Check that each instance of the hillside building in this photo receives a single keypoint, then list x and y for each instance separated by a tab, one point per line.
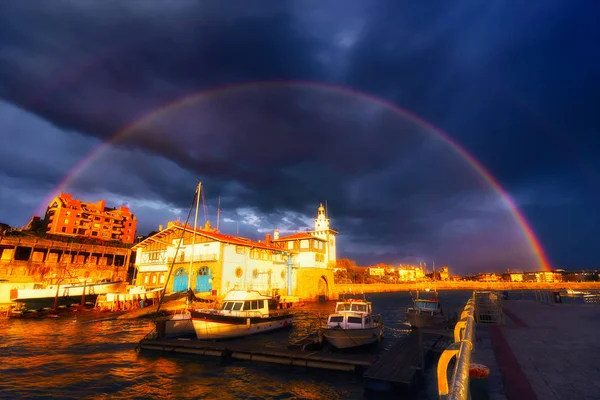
72	217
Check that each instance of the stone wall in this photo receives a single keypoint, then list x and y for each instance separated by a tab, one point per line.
461	285
308	286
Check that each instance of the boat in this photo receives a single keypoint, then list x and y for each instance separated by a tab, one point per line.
179	324
243	313
63	294
571	292
352	325
426	312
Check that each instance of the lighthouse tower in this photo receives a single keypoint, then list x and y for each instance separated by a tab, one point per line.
324	231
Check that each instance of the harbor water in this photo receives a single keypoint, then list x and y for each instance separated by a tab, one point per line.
81	357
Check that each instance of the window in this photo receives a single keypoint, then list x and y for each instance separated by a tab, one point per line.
290	245
238	272
66	221
237	306
239	249
161	280
354	320
64	229
338	318
247	305
94	233
74	230
304	244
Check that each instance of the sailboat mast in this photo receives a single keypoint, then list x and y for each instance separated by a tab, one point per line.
218	213
194	238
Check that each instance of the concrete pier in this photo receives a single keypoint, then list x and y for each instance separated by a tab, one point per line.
548	351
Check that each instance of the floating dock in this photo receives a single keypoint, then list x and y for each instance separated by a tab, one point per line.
395	366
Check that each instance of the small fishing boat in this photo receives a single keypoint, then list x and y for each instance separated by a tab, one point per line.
352	325
243	313
426	312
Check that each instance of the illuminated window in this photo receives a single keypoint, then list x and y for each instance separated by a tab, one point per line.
290	245
304	244
66	221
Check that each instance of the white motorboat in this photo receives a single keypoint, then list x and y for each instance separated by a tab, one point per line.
63	294
352	325
243	313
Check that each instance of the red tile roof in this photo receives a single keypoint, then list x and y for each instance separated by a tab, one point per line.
218	237
299	235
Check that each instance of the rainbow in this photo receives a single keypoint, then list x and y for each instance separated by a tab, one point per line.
205	94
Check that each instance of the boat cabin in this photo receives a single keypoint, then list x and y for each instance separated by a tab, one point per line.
426	306
247	304
351	315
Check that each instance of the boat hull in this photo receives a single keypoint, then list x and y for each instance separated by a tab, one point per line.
215	326
424	320
348	338
180	326
36	299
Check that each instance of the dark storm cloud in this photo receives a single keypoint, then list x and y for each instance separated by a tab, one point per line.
508	82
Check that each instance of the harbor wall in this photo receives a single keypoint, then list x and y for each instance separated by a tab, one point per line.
314	282
460	285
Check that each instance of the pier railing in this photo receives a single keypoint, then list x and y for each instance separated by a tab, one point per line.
464	339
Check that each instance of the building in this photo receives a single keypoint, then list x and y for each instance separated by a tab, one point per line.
213	263
71	217
316	248
516	277
25	257
444	273
410	273
548	277
376	271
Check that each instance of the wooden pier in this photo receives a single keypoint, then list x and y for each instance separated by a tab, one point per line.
394	367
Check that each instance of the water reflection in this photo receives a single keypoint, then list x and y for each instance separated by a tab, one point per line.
77	357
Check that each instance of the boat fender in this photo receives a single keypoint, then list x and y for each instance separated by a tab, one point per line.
478	371
248	323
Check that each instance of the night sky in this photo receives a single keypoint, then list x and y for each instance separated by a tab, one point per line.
277	106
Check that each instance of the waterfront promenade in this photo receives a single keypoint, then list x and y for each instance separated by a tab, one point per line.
548	351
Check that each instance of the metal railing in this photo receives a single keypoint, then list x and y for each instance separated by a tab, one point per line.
483	307
547	296
488	308
464	338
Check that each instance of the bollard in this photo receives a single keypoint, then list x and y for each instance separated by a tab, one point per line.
557	297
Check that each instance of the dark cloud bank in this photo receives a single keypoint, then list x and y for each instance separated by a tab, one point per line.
516	85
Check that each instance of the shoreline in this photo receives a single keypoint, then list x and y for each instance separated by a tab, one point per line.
461	285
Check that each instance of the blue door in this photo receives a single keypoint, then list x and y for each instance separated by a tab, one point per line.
204	280
180	283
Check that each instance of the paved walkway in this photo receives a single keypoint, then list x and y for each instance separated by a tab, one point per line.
549	351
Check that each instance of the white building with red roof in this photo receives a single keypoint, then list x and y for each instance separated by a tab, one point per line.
214	263
316	248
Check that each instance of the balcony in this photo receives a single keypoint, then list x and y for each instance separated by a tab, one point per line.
197	258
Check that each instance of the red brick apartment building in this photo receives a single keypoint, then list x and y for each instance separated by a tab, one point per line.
71	217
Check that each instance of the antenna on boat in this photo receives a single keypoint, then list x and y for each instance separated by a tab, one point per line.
326	213
218	213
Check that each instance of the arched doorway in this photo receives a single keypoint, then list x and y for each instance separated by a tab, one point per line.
204	280
180	282
323	289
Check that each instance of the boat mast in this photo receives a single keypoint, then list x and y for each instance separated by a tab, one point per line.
218	213
187	299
